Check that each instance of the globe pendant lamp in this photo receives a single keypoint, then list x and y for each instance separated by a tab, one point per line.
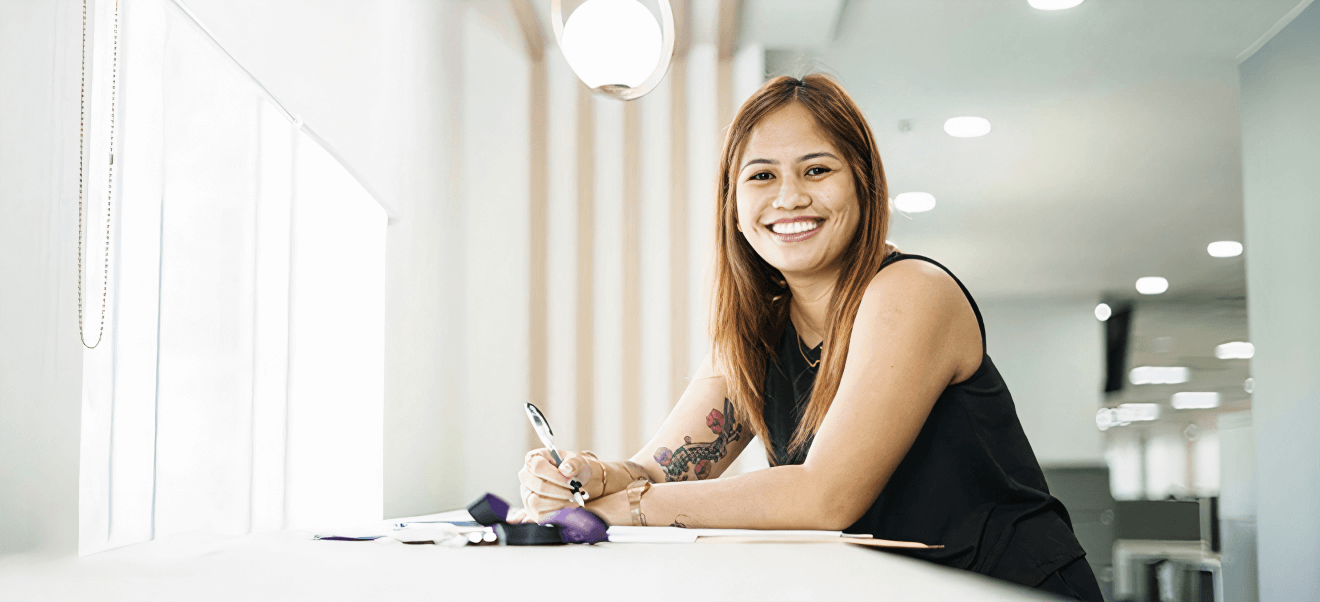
615	46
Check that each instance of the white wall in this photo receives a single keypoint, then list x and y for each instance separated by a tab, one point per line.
40	357
1051	355
1280	87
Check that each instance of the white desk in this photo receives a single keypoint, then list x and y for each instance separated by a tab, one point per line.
289	565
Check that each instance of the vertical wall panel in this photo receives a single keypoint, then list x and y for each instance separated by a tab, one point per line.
419	410
630	227
561	253
538	233
608	277
657	392
495	277
703	154
679	265
585	385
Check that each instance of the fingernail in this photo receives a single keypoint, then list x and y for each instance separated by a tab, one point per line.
565	469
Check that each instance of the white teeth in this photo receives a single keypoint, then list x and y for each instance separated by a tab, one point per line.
794	227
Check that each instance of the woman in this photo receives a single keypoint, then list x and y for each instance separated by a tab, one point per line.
864	374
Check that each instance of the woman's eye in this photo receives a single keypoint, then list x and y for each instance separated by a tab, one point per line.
817	171
760	175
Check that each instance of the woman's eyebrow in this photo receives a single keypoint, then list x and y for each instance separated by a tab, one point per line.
755	161
806	157
810	156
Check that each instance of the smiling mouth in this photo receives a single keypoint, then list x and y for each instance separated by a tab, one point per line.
796	230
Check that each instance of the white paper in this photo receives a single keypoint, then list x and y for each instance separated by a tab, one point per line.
681	535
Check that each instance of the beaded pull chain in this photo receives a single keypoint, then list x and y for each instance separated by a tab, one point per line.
110	185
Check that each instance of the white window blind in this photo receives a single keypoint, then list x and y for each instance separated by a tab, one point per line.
240	384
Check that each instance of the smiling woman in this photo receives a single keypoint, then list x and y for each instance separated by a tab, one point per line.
865	375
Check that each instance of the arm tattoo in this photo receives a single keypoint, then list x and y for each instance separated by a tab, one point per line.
697	459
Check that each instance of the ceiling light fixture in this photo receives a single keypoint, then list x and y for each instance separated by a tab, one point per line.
914	202
615	46
1103	311
1138	412
1224	248
1053	4
1152	285
1160	375
967	127
1194	400
1237	350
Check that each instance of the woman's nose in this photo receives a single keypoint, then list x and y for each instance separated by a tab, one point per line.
792	195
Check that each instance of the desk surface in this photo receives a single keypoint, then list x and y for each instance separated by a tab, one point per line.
289	565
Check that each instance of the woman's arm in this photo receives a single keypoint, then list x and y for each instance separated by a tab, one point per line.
915	334
699	440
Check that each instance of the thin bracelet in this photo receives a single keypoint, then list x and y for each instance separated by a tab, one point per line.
604	474
635	491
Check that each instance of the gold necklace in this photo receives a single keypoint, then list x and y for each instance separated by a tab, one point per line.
804	354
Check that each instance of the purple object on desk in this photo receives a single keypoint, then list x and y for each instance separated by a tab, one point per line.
489	509
577	525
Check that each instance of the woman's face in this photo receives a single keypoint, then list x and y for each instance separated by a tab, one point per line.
797	204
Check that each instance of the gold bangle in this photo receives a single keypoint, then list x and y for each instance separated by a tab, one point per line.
635	491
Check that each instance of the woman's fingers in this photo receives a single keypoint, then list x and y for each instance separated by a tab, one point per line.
537	507
543	452
576	467
542	466
540	486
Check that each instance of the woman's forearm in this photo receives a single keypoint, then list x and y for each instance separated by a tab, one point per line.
775	498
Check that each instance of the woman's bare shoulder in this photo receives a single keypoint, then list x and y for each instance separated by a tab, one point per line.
913	285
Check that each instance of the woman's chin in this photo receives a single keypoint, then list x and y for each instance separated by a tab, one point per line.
791	267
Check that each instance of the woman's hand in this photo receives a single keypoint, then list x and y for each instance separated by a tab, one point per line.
545	487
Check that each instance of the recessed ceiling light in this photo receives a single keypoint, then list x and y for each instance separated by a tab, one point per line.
1138	412
1225	248
967	127
1053	4
1194	400
914	202
1160	375
1102	312
1152	285
1237	350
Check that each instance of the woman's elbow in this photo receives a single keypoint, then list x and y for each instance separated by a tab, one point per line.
837	507
838	514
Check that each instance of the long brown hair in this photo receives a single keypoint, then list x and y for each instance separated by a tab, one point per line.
751	298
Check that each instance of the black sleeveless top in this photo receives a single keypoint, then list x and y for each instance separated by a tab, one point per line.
969	482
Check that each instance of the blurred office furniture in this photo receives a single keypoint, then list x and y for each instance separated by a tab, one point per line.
1167	551
1084	491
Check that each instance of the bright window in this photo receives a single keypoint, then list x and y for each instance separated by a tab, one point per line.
240	384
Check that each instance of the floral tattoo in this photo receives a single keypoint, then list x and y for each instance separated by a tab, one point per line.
697	460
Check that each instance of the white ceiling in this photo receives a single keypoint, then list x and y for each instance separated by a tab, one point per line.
1115	152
